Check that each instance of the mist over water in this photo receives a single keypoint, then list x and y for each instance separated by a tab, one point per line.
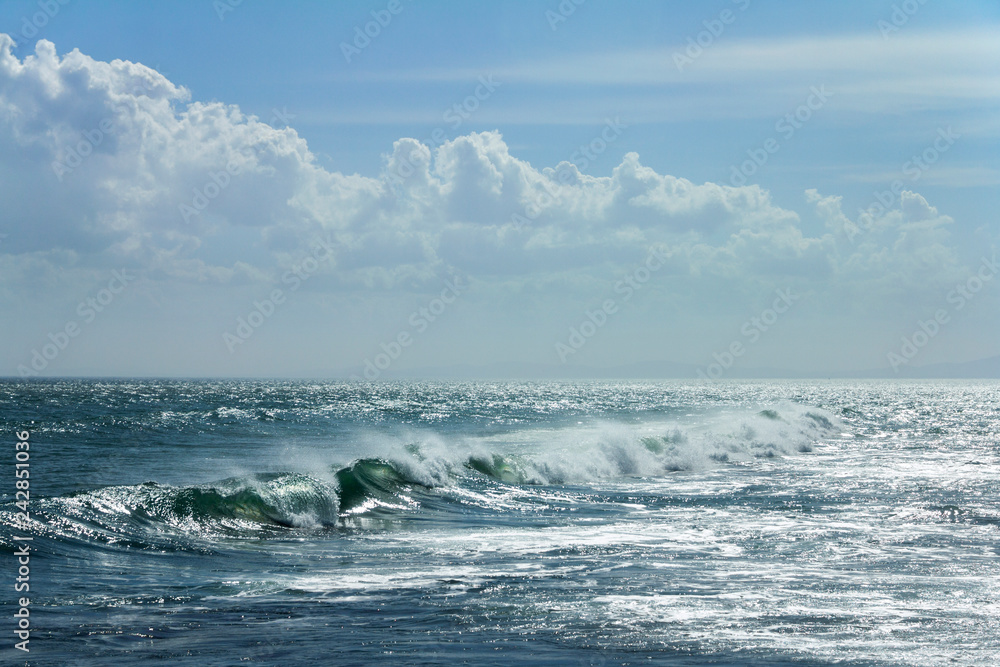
548	523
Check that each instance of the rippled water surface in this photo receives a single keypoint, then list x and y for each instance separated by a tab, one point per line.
744	523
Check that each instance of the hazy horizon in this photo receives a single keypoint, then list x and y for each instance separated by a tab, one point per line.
396	186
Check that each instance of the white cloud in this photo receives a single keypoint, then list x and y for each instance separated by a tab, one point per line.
970	51
264	199
913	71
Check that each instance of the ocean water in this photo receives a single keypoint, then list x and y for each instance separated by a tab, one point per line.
602	523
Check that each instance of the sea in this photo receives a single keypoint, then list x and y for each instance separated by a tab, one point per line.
199	522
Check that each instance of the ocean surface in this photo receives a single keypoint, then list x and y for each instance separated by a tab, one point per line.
579	523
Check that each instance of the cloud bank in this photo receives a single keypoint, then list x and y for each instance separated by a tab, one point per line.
109	164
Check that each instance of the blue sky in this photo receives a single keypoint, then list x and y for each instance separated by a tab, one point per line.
746	161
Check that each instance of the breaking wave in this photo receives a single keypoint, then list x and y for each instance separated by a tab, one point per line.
421	475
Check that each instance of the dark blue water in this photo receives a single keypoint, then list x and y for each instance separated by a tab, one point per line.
760	523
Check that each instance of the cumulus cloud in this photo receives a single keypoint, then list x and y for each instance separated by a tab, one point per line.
110	163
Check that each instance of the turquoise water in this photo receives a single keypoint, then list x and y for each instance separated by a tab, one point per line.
744	523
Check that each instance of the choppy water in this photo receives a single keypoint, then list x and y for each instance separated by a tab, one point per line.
760	523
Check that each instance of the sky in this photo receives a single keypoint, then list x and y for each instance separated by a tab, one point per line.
251	188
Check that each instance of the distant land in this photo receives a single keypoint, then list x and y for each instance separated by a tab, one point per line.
654	370
984	368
